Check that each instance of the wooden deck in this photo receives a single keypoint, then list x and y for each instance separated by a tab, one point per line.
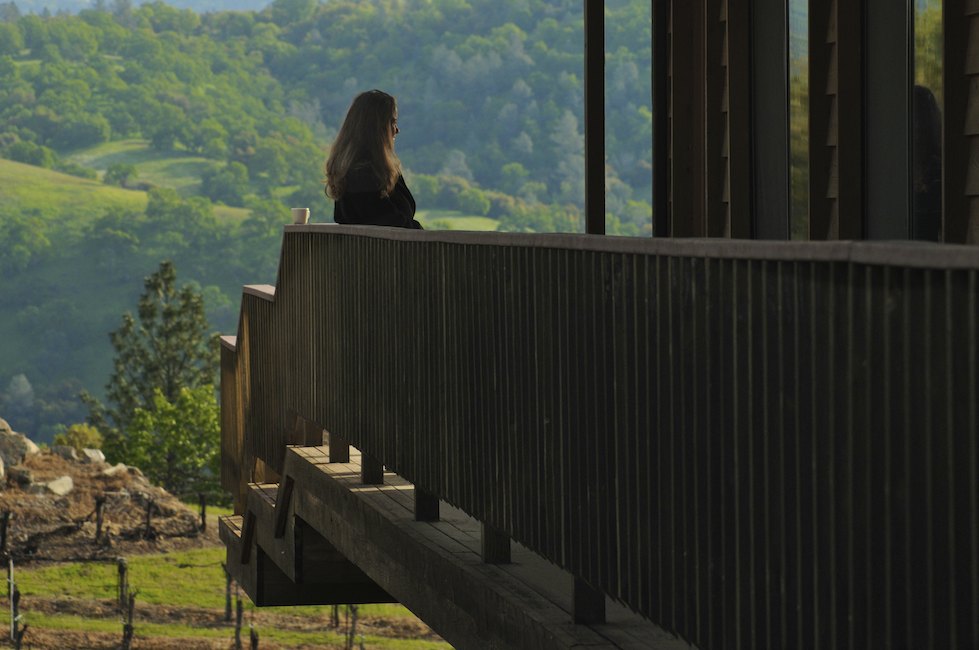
343	541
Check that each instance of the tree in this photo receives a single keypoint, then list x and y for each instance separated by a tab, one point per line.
165	348
177	441
120	174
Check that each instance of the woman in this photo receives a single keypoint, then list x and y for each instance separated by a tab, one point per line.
363	174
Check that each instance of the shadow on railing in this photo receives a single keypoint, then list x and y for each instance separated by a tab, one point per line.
752	444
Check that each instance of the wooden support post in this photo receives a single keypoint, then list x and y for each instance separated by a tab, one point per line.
426	505
123	569
14	614
254	638
588	604
494	545
339	449
4	524
238	616
148	529
203	501
99	515
371	470
227	593
127	628
10	594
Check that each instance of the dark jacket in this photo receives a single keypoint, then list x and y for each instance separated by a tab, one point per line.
362	203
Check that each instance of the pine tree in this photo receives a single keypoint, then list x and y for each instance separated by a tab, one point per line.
163	349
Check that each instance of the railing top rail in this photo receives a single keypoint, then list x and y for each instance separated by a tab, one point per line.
878	253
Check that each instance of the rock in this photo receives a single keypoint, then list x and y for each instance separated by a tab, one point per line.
93	455
60	486
20	476
66	452
3	473
14	447
118	468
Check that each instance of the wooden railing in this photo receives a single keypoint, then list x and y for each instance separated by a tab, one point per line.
752	444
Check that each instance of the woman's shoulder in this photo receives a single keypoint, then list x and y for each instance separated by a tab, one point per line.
361	178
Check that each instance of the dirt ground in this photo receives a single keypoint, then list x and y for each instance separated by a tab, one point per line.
48	527
44	527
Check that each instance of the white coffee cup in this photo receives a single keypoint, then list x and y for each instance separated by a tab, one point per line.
300	216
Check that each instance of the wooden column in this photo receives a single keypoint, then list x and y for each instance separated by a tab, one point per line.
739	159
687	116
661	117
889	61
769	125
960	165
836	119
595	117
718	131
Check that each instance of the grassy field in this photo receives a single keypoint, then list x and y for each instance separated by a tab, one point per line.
54	195
166	169
193	582
75	201
454	220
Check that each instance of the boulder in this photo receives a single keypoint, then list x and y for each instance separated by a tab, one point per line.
66	452
93	455
20	476
14	447
118	468
60	486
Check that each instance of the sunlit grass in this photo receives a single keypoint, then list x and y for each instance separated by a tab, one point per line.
454	220
145	630
54	195
178	170
192	579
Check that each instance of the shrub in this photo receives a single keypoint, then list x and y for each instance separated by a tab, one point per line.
80	436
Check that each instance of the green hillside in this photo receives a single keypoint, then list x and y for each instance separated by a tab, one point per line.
51	195
166	169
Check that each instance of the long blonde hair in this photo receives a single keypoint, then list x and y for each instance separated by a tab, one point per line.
365	139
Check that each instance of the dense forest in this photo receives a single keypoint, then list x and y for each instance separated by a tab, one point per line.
134	134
